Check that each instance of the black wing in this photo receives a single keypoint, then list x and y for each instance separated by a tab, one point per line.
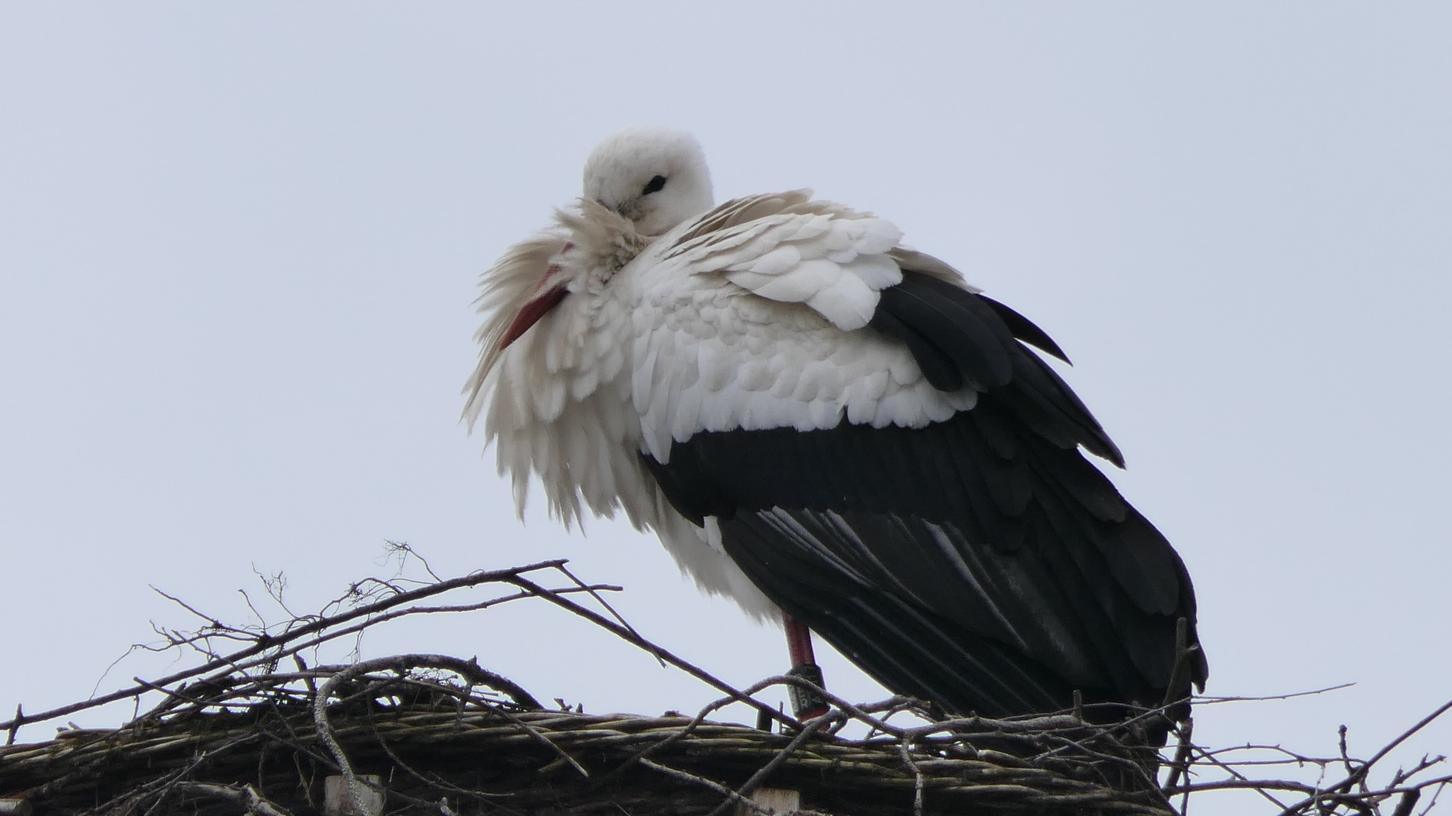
981	562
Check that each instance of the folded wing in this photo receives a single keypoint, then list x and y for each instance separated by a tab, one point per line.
884	455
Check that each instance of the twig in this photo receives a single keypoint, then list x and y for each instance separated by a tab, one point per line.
14	725
244	795
1360	773
685	776
433	779
473	579
904	749
1407	802
620	619
1205	699
1048	759
467	668
765	772
636	640
1180	765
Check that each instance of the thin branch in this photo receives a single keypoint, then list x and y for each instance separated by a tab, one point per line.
636	640
694	779
473	579
312	715
244	795
620	619
765	772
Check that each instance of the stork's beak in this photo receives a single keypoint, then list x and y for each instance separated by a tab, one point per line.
631	209
531	312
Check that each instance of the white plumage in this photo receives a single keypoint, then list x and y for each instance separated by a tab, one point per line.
666	343
810	415
753	325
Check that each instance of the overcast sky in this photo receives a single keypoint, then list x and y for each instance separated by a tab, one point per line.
239	244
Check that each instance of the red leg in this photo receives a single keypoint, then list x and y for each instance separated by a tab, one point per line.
806	703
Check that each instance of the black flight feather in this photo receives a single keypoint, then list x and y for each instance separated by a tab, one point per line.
982	562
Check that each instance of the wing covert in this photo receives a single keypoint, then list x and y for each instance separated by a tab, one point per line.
984	535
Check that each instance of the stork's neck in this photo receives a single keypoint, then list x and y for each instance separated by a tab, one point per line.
560	406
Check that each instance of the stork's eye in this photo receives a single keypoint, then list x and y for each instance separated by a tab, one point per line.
655	185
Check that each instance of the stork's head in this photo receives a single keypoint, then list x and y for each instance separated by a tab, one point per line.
556	331
656	177
638	184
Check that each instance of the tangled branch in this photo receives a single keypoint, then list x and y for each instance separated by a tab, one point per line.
253	727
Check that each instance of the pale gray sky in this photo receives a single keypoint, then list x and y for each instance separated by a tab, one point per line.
239	244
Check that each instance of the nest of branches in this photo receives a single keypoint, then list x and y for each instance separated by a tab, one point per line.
254	728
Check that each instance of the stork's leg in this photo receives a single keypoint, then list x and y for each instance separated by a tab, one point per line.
806	703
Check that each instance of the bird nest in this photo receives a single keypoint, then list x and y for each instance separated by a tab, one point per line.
436	756
256	728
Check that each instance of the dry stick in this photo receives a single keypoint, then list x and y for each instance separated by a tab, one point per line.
904	749
211	620
1290	757
903	736
435	779
1234	773
1302	787
1042	729
266	642
295	648
645	645
541	738
887	708
1408	801
1405	735
1360	773
244	795
1402	775
325	731
173	698
1353	800
406	551
302	666
550	594
601	600
325	735
1436	794
1345	755
400	663
156	786
688	728
465	668
14	725
855	712
703	781
1204	699
301	749
1244	784
1184	800
1150	787
247	599
770	767
1181	762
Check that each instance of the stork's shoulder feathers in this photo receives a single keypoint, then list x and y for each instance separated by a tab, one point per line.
754	316
790	248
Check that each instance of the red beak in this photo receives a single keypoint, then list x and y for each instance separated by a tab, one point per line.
531	313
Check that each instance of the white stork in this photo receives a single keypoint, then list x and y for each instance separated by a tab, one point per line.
829	427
